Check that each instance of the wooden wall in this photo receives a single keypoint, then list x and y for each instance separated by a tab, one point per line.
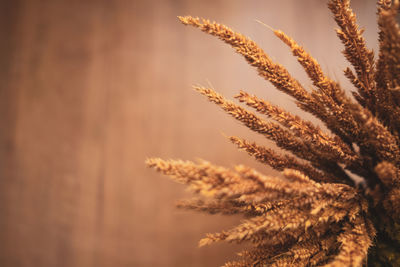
90	89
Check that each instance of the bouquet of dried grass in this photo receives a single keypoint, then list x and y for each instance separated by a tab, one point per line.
317	215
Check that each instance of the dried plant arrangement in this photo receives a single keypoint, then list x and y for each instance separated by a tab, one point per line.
316	214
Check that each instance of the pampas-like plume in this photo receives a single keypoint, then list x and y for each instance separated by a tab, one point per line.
316	214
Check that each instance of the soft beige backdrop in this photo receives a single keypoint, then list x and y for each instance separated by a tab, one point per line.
90	89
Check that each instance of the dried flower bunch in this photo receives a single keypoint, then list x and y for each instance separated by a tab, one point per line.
316	214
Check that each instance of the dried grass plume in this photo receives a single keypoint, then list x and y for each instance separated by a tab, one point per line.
316	214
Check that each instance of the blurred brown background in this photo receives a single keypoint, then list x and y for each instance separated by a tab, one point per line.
90	89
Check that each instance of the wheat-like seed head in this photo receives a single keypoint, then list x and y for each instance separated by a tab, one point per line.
316	214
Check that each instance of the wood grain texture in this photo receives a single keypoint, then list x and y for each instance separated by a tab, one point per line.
90	89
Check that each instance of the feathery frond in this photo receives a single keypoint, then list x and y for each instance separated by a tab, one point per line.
316	214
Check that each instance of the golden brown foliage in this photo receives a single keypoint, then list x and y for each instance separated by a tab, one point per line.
316	214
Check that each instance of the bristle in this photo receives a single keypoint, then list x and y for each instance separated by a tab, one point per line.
301	128
356	51
354	246
281	162
256	57
283	138
387	75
